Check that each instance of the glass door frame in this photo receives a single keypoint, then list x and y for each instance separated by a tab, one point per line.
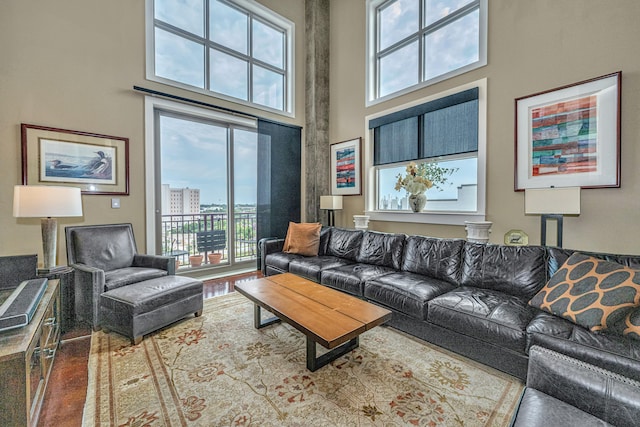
153	186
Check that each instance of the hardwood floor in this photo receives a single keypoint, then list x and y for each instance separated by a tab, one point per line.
67	389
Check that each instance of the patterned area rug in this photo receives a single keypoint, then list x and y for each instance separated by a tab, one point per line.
217	370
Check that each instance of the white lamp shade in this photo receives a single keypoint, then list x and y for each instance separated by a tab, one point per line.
39	201
331	202
563	201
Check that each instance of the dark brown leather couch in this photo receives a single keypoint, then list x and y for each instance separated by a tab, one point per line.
467	297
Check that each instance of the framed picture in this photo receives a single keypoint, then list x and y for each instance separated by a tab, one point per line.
569	136
97	164
346	176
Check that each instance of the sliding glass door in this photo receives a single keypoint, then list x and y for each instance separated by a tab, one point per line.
206	172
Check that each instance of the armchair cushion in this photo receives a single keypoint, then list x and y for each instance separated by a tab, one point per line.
104	247
126	276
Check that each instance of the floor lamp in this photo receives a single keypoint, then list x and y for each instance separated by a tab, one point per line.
552	204
48	203
332	204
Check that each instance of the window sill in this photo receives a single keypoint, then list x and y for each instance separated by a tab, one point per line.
448	218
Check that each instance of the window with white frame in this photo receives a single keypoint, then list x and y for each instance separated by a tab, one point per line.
233	49
448	130
415	43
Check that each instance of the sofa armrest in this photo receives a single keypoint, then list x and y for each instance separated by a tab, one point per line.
266	246
89	284
608	396
166	263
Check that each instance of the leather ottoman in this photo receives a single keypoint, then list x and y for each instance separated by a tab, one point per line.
141	308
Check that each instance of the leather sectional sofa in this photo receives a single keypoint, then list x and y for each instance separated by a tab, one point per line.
563	391
467	297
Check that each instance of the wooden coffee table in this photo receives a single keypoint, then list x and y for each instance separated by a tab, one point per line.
328	317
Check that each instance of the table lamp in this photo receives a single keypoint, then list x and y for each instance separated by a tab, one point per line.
47	202
552	203
332	204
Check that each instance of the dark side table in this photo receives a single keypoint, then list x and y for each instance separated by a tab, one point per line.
67	295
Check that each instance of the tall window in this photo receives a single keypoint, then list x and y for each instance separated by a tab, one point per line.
414	43
448	129
233	49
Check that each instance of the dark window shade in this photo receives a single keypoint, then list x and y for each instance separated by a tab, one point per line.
395	141
451	130
445	126
279	182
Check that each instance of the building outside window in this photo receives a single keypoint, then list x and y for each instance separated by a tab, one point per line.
415	43
236	50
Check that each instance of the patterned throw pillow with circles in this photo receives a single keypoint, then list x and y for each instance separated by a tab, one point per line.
590	292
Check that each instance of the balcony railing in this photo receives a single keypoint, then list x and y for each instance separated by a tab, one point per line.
179	235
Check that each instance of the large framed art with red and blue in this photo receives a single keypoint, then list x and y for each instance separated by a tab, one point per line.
569	136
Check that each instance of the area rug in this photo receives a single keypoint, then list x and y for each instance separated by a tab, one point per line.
218	370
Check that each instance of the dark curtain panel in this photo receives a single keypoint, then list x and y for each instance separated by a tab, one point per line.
396	141
450	130
279	177
441	127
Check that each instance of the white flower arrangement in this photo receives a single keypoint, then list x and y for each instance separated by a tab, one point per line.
420	178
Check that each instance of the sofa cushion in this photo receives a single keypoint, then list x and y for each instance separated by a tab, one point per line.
344	243
515	270
591	292
405	292
115	279
310	267
484	314
382	249
281	260
302	239
558	256
325	234
538	409
548	324
433	257
351	278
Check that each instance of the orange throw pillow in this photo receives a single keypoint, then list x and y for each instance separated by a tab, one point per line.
303	239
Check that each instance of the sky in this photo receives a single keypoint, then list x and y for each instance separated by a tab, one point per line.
447	49
194	155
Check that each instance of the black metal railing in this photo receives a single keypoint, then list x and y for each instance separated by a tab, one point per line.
179	236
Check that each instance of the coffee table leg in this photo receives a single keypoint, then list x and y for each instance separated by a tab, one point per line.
257	318
314	363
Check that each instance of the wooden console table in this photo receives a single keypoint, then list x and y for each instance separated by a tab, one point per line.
26	357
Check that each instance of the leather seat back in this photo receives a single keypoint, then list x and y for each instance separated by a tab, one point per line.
344	243
107	247
433	257
381	249
516	270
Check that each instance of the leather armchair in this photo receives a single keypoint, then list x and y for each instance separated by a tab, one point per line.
104	258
